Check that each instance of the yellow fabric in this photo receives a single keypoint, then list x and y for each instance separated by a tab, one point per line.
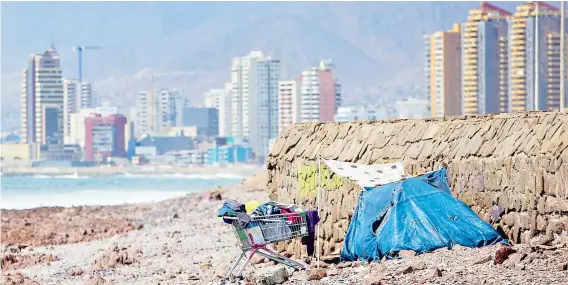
251	205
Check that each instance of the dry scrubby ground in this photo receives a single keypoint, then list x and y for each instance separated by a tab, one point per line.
181	241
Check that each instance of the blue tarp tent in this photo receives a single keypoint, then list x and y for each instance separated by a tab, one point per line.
418	214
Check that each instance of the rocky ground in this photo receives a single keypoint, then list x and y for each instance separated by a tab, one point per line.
181	241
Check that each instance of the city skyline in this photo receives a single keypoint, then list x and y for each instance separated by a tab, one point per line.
369	68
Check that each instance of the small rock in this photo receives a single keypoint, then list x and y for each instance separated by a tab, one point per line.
95	280
317	274
502	254
375	280
483	260
344	264
433	273
323	265
206	265
221	270
271	275
516	258
458	247
76	272
175	216
356	264
563	267
378	268
520	266
405	270
333	272
406	253
419	266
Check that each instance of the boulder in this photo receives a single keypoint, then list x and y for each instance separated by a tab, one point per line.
271	275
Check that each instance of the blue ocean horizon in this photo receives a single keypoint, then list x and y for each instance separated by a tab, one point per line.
26	192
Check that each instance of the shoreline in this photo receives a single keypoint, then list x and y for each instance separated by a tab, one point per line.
249	170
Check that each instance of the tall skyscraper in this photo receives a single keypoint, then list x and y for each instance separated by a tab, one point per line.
70	106
534	63
288	103
484	61
158	109
42	100
254	80
445	72
320	93
76	96
225	105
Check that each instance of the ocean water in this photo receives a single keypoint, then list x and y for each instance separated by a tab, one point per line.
24	192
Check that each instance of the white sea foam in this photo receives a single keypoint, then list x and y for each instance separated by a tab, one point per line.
190	176
67	176
85	198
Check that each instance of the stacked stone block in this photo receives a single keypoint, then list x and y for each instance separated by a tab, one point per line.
511	169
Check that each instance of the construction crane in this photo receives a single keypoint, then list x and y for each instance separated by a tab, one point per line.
79	50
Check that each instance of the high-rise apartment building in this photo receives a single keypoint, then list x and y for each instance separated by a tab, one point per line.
254	81
76	96
158	109
288	103
220	99
85	97
42	100
534	65
484	61
70	87
445	72
320	93
225	106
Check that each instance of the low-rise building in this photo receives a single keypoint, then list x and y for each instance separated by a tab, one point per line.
104	137
413	108
205	119
362	113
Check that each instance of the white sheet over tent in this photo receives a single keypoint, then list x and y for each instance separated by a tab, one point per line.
368	175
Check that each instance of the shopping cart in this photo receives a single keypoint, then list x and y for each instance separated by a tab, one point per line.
260	231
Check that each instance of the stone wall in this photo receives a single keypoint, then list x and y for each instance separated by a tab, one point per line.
515	163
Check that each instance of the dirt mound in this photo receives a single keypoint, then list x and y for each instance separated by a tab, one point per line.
53	226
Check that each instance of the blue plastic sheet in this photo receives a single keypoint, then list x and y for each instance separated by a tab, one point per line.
418	214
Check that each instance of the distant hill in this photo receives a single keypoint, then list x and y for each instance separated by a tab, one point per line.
377	47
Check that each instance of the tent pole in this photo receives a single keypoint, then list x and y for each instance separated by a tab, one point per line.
319	209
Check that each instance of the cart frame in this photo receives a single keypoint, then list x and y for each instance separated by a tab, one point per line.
260	231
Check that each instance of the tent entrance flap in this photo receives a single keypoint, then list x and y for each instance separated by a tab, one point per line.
418	214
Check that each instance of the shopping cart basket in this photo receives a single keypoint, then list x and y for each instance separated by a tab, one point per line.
260	231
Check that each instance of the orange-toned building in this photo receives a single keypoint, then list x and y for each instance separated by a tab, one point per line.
484	61
443	71
527	59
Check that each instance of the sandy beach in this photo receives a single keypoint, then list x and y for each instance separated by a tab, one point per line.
181	241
